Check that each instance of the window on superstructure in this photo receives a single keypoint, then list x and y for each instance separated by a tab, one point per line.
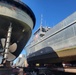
43	30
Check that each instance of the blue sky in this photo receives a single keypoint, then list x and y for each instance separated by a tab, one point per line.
53	11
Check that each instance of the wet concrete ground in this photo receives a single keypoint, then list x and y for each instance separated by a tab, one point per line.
61	73
52	73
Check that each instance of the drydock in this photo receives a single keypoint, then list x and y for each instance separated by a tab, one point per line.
52	51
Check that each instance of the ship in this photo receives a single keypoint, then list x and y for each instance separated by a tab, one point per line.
51	45
17	21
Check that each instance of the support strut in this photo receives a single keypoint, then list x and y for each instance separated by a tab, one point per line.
7	43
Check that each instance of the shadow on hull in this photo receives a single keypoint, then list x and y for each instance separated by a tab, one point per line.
45	55
18	37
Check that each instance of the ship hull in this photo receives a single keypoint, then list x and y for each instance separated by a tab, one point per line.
22	21
57	45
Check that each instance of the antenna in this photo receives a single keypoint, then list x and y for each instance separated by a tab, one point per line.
41	22
41	19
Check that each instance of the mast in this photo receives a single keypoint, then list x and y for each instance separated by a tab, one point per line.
41	22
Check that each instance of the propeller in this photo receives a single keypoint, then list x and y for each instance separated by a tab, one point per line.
12	48
11	57
3	42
